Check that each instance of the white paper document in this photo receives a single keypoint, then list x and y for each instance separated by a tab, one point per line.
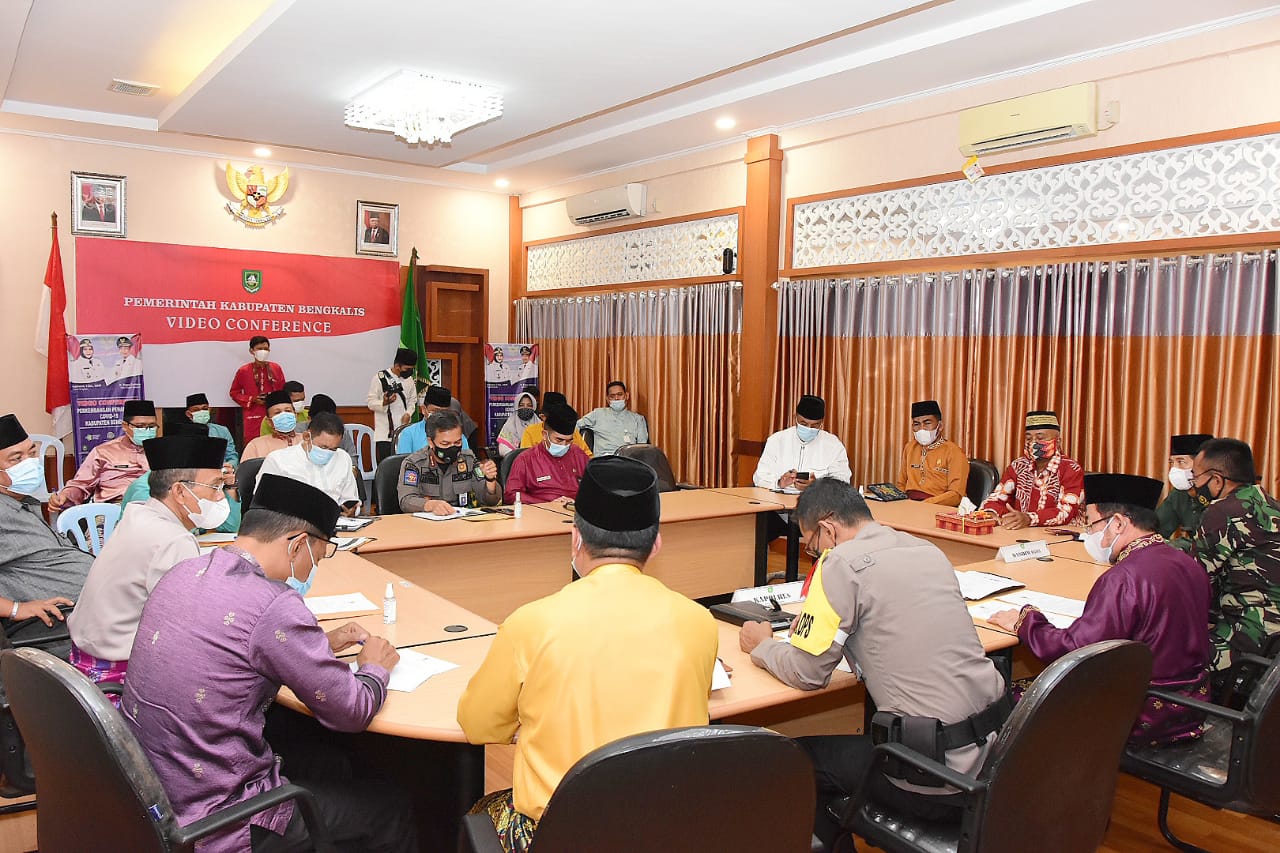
462	512
352	602
215	538
1073	607
978	585
413	669
720	678
985	609
783	593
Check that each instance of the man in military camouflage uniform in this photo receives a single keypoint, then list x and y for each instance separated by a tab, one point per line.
442	476
1238	544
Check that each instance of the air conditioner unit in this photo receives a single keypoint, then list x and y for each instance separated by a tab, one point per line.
624	202
1067	113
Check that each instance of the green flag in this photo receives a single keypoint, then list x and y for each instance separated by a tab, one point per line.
411	324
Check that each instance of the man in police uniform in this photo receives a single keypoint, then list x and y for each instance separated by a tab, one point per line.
443	476
889	604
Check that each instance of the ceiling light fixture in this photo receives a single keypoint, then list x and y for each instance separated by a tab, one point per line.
260	151
420	108
502	183
726	123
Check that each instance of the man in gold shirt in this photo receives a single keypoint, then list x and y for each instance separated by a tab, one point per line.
579	669
934	469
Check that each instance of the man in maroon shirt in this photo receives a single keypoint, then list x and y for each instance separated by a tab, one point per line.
551	469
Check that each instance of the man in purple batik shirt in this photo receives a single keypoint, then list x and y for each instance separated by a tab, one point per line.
219	635
1153	593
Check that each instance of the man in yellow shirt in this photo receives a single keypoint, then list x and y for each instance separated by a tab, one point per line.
934	469
614	654
534	433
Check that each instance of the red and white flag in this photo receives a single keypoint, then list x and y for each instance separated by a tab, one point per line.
51	335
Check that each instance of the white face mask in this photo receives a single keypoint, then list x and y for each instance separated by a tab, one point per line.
1093	544
27	477
212	514
1180	479
261	354
299	405
926	438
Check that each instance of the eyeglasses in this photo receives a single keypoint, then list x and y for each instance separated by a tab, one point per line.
330	548
217	487
810	547
1089	525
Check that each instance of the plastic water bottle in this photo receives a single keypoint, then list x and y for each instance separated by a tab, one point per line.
517	510
389	606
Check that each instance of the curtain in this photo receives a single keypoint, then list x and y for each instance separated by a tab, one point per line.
677	351
1127	352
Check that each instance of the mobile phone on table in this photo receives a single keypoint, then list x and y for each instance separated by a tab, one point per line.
802	475
1065	531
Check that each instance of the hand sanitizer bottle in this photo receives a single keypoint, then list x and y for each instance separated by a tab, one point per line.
389	605
517	511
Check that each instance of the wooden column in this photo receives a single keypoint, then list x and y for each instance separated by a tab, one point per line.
515	261
761	232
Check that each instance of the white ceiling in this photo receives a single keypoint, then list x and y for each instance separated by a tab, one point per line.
588	87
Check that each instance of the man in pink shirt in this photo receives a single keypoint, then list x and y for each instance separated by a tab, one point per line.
551	469
112	466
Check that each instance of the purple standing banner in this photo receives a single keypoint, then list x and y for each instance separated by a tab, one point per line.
508	370
105	373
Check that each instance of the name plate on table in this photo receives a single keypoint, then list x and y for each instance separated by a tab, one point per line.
1023	551
783	593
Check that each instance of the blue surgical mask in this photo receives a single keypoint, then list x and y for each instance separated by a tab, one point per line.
320	455
558	450
285	422
200	416
617	405
806	433
27	477
302	587
141	434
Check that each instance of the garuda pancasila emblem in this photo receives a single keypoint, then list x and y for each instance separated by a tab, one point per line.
256	194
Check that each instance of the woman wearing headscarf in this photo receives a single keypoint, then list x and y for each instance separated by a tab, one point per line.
525	413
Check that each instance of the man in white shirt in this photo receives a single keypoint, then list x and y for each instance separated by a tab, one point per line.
186	483
318	461
795	457
615	425
393	393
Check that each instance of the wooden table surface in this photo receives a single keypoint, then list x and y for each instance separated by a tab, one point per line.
920	519
421	615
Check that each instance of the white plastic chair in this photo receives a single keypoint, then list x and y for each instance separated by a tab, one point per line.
365	461
98	522
59	455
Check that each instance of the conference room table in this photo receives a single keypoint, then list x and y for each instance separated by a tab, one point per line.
713	543
415	738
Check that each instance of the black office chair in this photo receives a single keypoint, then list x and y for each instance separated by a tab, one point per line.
1049	779
652	455
1232	766
95	780
504	466
588	436
983	477
385	480
678	791
16	776
247	481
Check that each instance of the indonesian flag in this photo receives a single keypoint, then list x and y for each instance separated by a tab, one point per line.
51	336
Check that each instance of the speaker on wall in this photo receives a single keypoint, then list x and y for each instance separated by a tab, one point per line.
728	261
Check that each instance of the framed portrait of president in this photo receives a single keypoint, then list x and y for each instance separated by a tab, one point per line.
97	204
376	227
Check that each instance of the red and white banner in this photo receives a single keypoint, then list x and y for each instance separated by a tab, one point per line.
332	322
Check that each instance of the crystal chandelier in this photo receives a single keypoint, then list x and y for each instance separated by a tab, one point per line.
420	108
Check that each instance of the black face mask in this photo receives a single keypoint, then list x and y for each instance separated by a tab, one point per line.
446	455
525	414
406	373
